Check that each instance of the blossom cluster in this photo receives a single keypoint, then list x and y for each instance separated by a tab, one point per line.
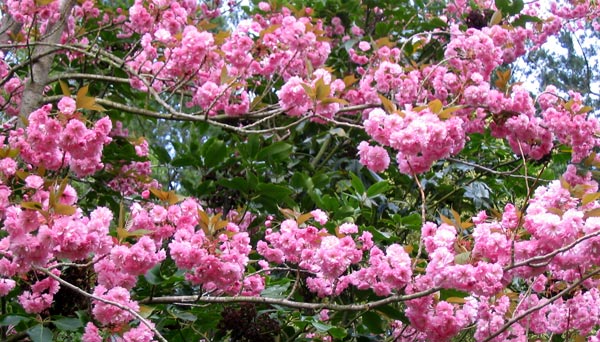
420	138
546	246
217	68
328	258
52	143
217	263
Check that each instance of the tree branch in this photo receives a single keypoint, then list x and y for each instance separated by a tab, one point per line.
288	303
536	308
98	77
33	91
544	258
105	301
492	171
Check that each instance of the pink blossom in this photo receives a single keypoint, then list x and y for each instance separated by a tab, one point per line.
293	97
264	6
6	285
375	158
109	314
348	228
41	295
319	216
91	333
139	258
364	46
141	333
67	105
34	182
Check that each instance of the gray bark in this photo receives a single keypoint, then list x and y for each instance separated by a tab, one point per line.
41	62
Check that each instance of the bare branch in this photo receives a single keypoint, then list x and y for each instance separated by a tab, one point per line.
105	301
289	303
545	258
99	77
492	171
539	307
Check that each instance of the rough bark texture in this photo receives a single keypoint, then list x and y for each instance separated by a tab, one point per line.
41	62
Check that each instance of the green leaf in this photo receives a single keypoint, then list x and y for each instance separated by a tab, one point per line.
273	191
39	333
510	7
277	151
120	149
524	19
249	148
373	322
185	160
338	333
161	154
391	312
153	276
275	291
451	293
357	184
68	324
237	183
378	188
412	221
379	236
321	327
302	181
13	320
184	315
214	152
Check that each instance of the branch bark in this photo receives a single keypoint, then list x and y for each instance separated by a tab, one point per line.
106	301
288	303
539	307
33	91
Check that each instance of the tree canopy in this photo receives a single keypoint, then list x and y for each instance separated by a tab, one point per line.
297	171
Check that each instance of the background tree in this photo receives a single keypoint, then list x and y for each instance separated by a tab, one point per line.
292	170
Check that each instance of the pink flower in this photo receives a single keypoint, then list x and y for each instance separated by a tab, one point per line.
324	315
364	46
34	182
109	314
8	166
91	333
319	216
139	258
67	105
264	6
375	158
293	97
6	285
141	333
348	228
40	297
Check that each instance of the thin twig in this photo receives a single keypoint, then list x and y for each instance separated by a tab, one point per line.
544	258
539	307
105	301
492	171
423	218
